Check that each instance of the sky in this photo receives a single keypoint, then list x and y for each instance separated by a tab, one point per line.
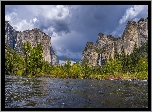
71	26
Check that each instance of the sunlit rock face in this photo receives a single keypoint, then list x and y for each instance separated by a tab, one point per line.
15	39
89	54
105	45
143	30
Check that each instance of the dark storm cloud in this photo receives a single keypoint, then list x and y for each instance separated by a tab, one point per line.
70	27
91	20
61	26
58	25
96	19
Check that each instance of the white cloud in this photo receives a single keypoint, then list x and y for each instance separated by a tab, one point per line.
38	15
34	20
133	12
70	27
113	33
17	23
24	25
7	18
53	12
136	19
62	62
119	30
11	17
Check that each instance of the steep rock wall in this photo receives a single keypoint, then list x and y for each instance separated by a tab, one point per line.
105	45
89	54
10	35
15	39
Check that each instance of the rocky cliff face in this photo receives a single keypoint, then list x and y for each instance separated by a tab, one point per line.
15	39
89	54
104	48
10	35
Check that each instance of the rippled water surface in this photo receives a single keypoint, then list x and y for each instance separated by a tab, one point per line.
21	92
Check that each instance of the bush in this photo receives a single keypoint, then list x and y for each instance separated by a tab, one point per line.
141	75
75	70
14	63
19	72
142	65
112	66
86	70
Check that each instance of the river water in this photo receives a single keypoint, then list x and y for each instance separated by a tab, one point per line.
21	92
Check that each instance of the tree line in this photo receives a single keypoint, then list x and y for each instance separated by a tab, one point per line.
32	64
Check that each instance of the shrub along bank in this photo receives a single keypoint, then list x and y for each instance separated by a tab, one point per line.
31	64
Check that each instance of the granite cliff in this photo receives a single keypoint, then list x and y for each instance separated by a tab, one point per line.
15	39
104	48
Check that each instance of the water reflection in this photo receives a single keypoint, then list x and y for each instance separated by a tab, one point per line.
23	92
20	90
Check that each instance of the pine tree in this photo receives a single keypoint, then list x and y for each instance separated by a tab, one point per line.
128	64
26	49
14	63
135	56
67	66
123	52
116	54
123	59
84	61
36	59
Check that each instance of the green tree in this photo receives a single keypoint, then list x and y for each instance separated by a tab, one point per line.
113	66
128	64
35	61
122	53
84	61
123	59
97	70
143	50
75	70
135	56
142	65
58	72
67	66
26	49
86	70
46	68
14	63
116	54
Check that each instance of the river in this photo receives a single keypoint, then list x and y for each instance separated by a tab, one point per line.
22	92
